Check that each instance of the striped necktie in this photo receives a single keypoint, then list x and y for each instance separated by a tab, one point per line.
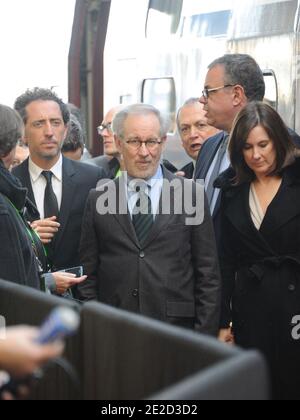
142	216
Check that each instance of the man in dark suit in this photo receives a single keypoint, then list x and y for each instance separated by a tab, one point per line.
110	162
140	251
58	186
231	83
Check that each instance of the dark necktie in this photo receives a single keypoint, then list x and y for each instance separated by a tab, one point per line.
217	168
142	216
50	199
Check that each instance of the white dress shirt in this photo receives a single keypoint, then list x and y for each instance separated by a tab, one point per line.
39	183
155	185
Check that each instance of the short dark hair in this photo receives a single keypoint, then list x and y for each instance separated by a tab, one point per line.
11	130
75	138
243	70
253	115
40	94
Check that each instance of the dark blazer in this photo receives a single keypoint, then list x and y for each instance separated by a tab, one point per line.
109	166
261	276
17	259
205	159
173	278
78	180
187	169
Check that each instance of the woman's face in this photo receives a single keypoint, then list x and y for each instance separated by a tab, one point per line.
259	152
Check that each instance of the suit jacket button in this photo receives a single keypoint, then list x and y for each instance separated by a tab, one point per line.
292	287
142	254
135	293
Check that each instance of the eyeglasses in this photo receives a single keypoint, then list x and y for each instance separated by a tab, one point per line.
136	144
206	91
104	127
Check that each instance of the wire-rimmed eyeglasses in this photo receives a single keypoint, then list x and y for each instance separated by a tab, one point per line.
150	144
206	91
104	127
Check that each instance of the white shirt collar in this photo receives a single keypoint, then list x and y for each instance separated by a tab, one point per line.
35	171
151	182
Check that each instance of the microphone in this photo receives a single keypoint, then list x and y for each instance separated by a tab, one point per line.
61	323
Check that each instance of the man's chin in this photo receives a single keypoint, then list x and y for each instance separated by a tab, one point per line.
50	155
142	174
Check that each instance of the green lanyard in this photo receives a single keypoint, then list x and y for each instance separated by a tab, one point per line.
31	233
119	173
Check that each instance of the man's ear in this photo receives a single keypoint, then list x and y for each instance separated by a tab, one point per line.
67	128
119	144
164	141
239	96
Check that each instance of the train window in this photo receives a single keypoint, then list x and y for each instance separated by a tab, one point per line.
207	24
271	95
161	93
126	99
267	18
163	17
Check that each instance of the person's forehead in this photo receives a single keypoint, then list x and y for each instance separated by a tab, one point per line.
192	112
216	74
257	134
43	109
110	115
142	123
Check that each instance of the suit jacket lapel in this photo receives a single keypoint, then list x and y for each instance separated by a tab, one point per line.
121	212
125	220
162	220
238	213
26	180
68	191
284	207
207	160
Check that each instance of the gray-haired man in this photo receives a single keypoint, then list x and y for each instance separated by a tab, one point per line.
140	255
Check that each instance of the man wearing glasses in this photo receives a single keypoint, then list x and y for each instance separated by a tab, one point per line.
137	249
110	162
231	83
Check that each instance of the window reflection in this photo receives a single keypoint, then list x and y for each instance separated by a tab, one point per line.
161	93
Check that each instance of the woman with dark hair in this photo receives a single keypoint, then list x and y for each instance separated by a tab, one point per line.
260	255
23	258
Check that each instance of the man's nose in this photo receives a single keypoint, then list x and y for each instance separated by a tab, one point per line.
194	133
203	100
143	150
48	129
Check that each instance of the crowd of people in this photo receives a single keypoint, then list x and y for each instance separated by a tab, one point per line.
220	256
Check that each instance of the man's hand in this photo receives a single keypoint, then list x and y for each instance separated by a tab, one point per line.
20	355
46	229
64	281
226	336
180	173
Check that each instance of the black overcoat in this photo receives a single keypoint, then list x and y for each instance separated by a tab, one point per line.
261	276
18	262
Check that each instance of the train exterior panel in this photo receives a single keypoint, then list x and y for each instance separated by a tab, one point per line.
158	51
